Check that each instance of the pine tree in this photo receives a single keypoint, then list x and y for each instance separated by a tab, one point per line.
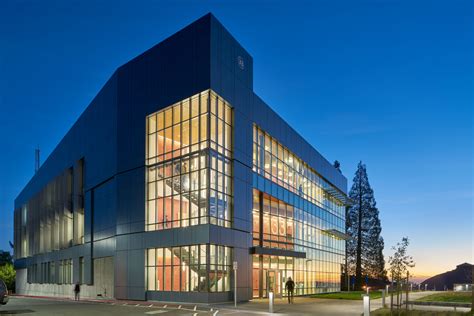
375	262
364	249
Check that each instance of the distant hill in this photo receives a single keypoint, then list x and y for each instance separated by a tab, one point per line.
462	274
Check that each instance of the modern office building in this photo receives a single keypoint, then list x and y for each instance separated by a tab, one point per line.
174	171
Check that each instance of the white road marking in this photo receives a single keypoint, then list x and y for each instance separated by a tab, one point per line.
215	313
165	306
179	307
195	307
151	305
195	314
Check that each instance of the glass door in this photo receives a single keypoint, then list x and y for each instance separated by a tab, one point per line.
273	282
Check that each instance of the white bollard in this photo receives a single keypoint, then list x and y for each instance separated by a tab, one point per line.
383	298
366	305
270	302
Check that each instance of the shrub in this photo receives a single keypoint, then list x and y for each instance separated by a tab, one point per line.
7	274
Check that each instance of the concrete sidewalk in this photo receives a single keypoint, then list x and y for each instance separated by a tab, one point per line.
313	306
301	306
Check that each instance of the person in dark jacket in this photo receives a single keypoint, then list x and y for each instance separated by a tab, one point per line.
77	291
290	287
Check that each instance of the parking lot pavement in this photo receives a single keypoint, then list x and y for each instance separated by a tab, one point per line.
19	305
55	306
301	306
42	306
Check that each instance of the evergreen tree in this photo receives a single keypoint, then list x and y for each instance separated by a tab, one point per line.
364	249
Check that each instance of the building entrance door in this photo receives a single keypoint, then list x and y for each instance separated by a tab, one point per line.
273	278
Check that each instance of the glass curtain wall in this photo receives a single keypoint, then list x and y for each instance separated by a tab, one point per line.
276	163
310	275
277	225
195	268
280	225
189	146
295	224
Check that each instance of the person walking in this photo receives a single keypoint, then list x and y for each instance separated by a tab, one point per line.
290	287
77	291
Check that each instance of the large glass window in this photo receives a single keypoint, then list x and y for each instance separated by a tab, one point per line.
65	271
195	268
280	225
277	220
278	164
277	224
81	270
189	146
318	274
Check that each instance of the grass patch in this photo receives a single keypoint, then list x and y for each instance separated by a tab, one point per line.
386	311
353	295
455	297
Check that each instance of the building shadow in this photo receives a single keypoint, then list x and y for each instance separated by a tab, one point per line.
16	311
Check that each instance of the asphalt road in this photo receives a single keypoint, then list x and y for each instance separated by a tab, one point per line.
38	306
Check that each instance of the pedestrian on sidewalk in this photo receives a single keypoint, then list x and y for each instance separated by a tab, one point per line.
77	291
290	287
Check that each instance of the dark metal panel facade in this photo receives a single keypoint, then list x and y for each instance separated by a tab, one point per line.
110	136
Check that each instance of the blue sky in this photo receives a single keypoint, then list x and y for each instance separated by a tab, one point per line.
386	82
